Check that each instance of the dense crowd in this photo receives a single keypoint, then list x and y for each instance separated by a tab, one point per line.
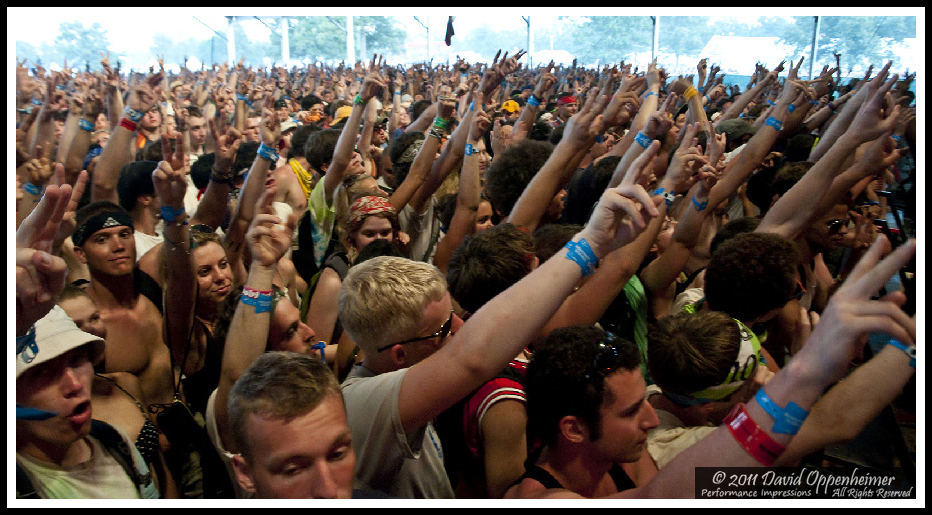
454	281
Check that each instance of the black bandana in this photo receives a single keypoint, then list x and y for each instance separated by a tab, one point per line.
100	221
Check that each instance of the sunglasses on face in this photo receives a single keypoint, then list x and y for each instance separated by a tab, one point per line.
442	333
835	225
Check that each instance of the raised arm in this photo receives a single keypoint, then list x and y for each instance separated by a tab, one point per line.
269	239
507	323
214	203
452	152
119	150
468	196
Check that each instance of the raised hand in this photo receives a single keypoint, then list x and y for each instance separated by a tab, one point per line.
269	236
144	95
227	145
170	185
661	121
871	121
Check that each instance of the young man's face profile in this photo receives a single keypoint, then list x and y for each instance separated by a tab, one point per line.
308	457
626	421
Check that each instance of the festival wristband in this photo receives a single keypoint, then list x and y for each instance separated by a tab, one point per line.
128	124
751	437
791	107
910	350
649	94
533	101
133	114
581	253
787	421
776	124
434	132
643	140
266	152
771	103
700	205
668	196
261	300
689	93
86	125
358	100
468	150
169	213
440	123
814	102
36	102
32	189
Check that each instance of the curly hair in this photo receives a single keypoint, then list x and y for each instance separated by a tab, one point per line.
512	171
563	379
751	274
488	263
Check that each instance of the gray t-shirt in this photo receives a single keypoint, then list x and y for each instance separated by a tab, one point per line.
407	466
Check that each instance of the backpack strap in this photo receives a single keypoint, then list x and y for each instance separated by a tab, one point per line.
146	285
118	448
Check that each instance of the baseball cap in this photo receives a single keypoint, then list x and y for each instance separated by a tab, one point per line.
288	125
406	101
173	85
511	106
734	129
56	334
341	113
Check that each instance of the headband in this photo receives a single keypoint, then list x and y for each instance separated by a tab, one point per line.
743	368
567	100
367	206
100	221
410	152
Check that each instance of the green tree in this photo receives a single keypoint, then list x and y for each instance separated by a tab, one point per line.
81	46
684	35
861	40
609	38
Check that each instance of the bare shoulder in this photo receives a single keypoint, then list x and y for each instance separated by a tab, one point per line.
532	489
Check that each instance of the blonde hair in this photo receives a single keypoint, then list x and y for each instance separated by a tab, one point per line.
383	299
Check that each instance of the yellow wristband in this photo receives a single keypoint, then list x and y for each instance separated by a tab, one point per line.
689	93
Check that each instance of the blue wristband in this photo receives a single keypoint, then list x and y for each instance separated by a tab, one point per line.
643	140
468	150
787	421
169	213
86	125
267	153
771	103
36	102
533	101
814	102
581	253
700	205
791	108
652	93
668	196
776	124
910	350
261	301
134	115
32	189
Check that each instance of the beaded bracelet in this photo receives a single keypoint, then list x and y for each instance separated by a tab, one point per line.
434	132
266	152
643	140
787	421
261	300
776	124
700	205
86	125
128	124
581	253
32	189
668	196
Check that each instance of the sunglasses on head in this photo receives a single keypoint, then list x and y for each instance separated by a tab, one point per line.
442	333
606	356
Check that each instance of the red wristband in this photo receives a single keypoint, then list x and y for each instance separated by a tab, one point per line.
128	124
751	437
